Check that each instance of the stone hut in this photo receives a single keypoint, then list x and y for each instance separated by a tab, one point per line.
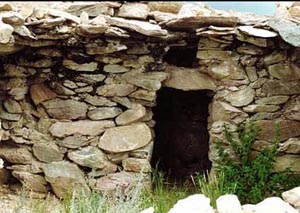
94	93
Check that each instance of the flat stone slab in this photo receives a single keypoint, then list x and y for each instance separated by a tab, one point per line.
125	138
85	127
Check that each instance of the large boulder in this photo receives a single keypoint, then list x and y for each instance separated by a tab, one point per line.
229	204
292	197
274	205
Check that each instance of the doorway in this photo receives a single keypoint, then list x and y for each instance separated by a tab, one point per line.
181	137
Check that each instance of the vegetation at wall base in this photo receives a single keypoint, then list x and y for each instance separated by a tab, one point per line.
252	178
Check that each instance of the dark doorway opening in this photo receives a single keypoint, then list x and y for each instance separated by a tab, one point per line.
181	135
185	56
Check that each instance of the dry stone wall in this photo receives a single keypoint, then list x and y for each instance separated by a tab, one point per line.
77	87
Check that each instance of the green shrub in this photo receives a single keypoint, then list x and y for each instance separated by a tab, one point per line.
252	178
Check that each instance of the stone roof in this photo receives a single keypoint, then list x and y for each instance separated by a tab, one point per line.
44	23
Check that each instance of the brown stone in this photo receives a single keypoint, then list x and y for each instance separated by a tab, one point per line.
290	162
288	129
75	141
115	90
64	178
136	165
16	154
165	6
144	95
291	109
40	93
260	108
47	151
36	183
276	100
65	109
125	138
85	67
84	127
284	71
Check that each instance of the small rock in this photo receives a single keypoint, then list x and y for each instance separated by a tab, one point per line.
30	181
194	203
292	197
86	67
6	33
111	90
136	165
229	204
274	205
134	10
40	93
12	106
242	97
98	101
75	141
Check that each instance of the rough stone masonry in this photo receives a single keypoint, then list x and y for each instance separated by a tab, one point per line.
78	82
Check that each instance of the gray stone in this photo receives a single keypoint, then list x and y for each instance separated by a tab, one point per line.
115	68
251	72
288	129
134	114
9	116
284	71
86	67
60	89
274	204
250	50
65	109
95	49
222	111
117	157
229	69
242	97
17	71
262	33
64	178
265	116
36	183
134	10
287	161
144	95
292	197
117	181
275	57
75	141
276	87
91	30
188	79
125	138
92	8
291	109
108	169
136	165
260	108
89	156
215	54
111	90
261	42
98	101
142	27
85	127
104	113
16	154
12	106
165	6
47	152
273	100
84	89
124	101
41	63
6	33
291	146
288	30
90	78
144	152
